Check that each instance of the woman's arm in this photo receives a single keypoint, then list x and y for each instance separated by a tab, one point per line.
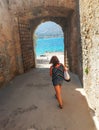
51	71
65	68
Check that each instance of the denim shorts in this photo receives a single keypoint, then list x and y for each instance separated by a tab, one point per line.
57	82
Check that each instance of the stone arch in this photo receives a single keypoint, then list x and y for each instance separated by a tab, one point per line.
67	19
45	20
57	20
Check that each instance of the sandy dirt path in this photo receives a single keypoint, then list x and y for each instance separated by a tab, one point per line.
28	103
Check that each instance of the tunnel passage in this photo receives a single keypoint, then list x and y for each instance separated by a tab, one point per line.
66	18
80	19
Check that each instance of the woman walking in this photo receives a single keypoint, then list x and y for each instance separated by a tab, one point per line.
57	73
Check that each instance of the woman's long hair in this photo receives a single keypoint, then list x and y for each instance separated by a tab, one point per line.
54	60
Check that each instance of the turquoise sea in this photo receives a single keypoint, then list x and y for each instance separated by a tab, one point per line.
49	45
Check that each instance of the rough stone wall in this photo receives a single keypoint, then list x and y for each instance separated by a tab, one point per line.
7	47
89	16
24	5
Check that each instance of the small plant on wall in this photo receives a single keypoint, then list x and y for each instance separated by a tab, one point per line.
86	70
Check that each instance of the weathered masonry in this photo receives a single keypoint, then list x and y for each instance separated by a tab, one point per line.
79	20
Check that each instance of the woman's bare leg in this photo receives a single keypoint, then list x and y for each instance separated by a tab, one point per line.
58	94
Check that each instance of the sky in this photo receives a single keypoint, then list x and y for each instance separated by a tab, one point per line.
48	27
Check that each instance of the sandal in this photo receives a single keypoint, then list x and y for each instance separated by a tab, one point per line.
60	106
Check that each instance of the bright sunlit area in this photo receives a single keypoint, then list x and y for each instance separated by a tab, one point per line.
49	41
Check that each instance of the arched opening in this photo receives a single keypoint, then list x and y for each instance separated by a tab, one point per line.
48	40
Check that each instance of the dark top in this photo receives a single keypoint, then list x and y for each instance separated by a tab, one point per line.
58	75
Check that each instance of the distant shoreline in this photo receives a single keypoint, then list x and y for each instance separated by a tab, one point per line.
44	37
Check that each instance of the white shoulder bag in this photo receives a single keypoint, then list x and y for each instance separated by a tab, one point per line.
66	76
